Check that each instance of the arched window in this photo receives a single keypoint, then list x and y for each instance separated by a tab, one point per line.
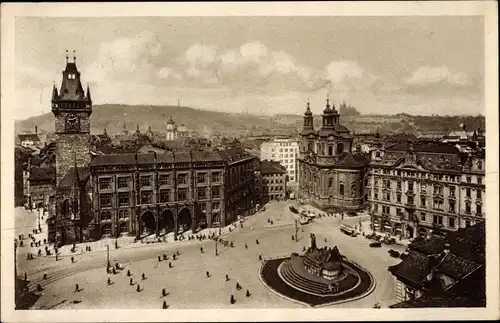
330	183
65	209
330	150
353	190
341	189
377	154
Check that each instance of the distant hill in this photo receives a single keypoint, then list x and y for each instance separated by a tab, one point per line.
113	116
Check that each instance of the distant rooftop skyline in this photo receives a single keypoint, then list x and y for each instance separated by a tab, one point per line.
260	65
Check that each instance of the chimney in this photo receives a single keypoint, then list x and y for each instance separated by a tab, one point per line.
36	130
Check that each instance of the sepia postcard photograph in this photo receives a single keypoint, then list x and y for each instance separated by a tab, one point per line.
249	161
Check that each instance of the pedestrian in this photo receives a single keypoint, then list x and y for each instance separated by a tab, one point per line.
44	241
138	287
159	258
109	280
44	276
257	241
72	259
39	287
238	287
77	288
178	253
232	245
57	257
325	239
165	256
208	274
170	264
232	299
114	271
260	257
293	239
131	281
128	273
174	256
227	277
90	248
31	244
165	306
248	293
25	276
39	252
246	246
143	276
164	292
21	243
201	249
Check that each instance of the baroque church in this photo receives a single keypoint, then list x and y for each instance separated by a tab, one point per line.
332	177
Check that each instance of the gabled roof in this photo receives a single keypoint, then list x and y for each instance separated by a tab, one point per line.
29	136
71	176
412	270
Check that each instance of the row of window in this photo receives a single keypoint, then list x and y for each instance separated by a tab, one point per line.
164	179
276	189
146	197
438	205
386	196
436	177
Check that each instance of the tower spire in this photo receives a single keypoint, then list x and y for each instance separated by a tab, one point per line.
88	93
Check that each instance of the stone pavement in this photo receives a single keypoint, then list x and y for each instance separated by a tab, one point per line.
187	283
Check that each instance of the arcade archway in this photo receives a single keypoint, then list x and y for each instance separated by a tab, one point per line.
166	222
148	223
184	220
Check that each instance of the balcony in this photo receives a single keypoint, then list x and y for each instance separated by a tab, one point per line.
452	197
438	195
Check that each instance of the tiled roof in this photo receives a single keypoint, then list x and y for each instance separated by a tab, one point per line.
469	243
441	301
412	270
430	147
428	246
43	173
271	167
456	267
348	159
70	177
229	155
29	136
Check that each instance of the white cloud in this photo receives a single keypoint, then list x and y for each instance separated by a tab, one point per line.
338	71
201	56
168	73
427	75
253	51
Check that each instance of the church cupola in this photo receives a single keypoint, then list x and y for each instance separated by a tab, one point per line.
308	127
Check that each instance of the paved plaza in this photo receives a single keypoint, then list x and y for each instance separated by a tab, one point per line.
186	283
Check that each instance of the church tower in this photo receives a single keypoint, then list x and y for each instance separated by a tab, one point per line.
72	109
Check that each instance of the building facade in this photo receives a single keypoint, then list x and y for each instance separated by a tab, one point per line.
142	194
274	181
284	151
331	177
421	187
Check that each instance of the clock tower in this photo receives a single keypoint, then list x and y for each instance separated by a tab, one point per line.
72	109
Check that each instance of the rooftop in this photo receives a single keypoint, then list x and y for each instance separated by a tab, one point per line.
271	167
43	174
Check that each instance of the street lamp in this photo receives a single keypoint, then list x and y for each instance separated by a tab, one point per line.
109	262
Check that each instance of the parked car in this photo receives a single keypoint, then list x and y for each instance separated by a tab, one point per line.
371	235
393	253
375	245
388	240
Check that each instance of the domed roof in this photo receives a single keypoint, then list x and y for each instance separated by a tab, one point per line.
327	109
308	110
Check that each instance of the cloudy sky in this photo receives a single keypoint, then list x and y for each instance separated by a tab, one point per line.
259	65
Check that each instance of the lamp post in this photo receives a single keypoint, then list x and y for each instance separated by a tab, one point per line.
107	251
296	230
216	253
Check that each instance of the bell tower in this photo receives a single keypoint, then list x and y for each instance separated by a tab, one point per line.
72	109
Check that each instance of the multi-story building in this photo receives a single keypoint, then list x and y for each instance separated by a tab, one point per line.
331	177
111	194
419	187
143	194
274	180
284	151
